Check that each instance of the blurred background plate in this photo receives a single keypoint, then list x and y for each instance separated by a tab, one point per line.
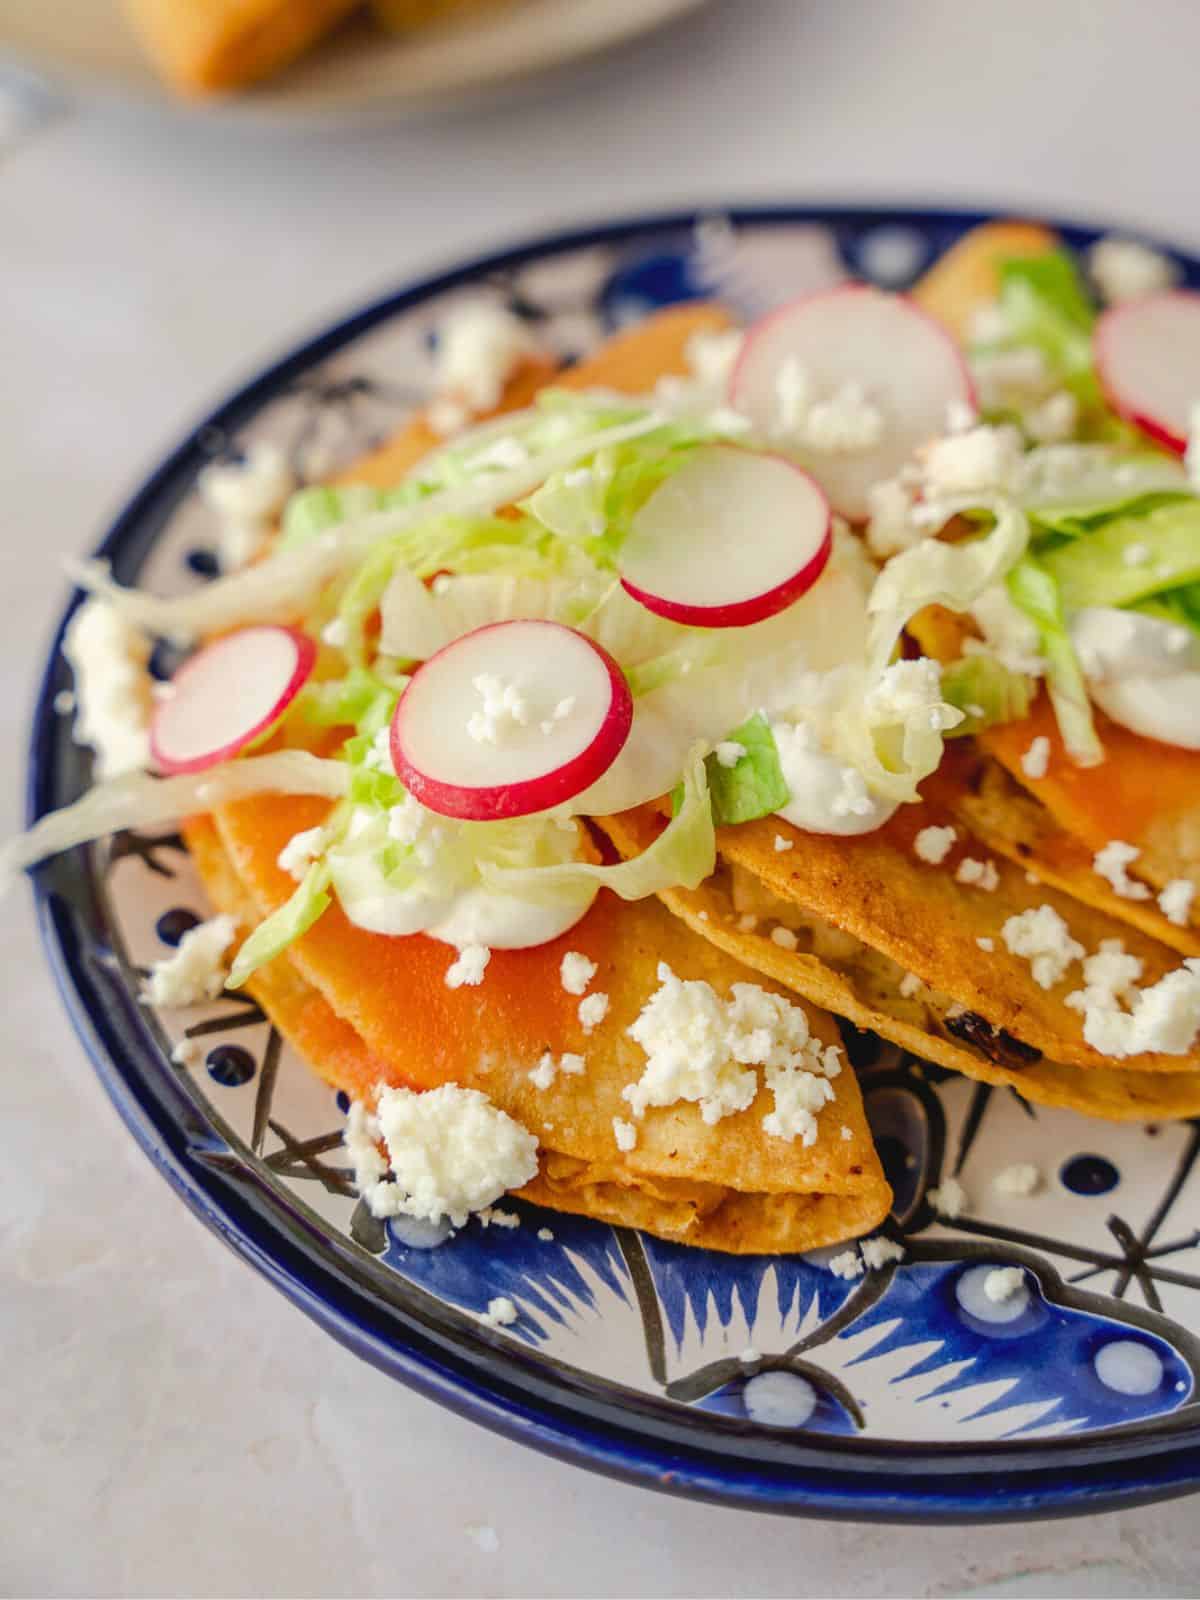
359	72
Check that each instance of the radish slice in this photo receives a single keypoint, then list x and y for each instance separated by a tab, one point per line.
731	538
513	718
1148	362
228	695
855	338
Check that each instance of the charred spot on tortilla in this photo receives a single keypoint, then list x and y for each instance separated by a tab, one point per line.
997	1044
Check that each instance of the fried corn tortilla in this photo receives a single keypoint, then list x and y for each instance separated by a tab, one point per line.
211	46
854	981
1146	794
364	1009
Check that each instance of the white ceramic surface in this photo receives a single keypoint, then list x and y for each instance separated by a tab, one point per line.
167	1424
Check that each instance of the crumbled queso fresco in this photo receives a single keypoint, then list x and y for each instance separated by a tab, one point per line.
1043	938
470	966
112	687
1113	862
934	844
197	970
450	1152
949	1199
576	971
705	1050
1003	1282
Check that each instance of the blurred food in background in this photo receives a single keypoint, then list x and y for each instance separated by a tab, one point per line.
299	59
213	46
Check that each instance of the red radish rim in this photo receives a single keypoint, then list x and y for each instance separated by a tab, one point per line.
1150	426
503	801
743	613
789	306
306	656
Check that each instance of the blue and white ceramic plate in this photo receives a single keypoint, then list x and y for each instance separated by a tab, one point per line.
907	1394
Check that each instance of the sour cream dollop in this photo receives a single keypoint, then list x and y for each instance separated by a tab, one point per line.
826	795
444	898
1142	672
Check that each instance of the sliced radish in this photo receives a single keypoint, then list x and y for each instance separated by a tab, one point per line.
513	718
731	538
884	347
1148	362
228	695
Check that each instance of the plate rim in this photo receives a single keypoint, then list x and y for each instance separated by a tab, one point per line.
882	1480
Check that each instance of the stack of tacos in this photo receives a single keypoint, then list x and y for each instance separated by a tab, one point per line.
971	926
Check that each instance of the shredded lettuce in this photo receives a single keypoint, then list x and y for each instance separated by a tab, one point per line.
1035	590
1098	570
986	692
341	702
1045	304
594	506
682	856
416	620
1180	606
935	572
285	584
139	801
1067	489
755	785
284	926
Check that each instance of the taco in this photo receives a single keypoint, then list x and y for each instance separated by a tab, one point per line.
558	780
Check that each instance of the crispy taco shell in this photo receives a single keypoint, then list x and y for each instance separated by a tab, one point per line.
365	1009
865	988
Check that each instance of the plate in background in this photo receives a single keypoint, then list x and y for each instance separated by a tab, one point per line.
760	1381
358	72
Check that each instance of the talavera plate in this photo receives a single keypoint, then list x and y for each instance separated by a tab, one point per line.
901	1395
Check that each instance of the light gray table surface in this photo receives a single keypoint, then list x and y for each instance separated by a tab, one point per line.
168	1423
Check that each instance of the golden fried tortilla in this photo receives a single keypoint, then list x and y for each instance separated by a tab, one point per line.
210	46
851	980
1145	794
365	1009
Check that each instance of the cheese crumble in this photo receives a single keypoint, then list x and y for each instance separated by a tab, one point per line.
625	1133
1120	1020
1112	862
1002	1283
112	687
197	970
450	1152
729	752
504	708
1036	760
782	844
704	1050
501	1312
547	1070
978	874
1042	938
847	1265
1175	901
592	1011
934	844
469	967
576	972
1022	1178
879	1251
301	850
949	1199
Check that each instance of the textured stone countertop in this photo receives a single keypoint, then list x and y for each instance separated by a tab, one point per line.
168	1424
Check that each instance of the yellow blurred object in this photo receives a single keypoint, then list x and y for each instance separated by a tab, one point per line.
209	46
403	16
